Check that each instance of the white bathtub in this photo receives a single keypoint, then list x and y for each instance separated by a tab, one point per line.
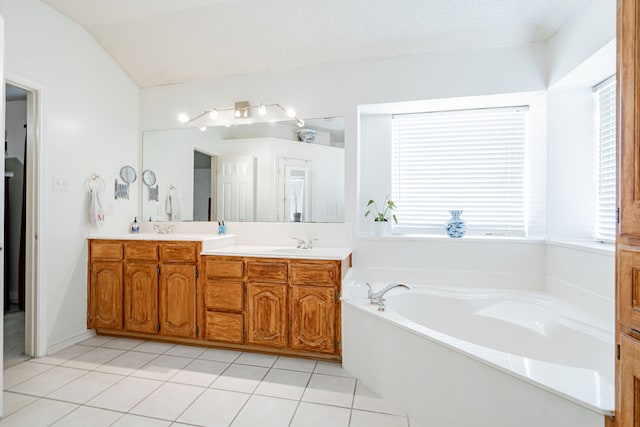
469	357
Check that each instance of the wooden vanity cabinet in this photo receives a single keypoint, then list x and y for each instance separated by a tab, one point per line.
143	287
290	306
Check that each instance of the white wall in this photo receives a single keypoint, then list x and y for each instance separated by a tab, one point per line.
91	126
582	54
439	75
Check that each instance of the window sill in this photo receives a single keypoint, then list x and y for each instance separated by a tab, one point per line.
585	245
443	238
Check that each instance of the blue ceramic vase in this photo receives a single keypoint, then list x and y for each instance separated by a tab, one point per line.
456	227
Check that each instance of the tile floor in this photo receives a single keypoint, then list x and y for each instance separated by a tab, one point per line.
108	381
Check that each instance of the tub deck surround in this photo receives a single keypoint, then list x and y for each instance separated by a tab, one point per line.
201	289
502	355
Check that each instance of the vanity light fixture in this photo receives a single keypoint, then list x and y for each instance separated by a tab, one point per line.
241	110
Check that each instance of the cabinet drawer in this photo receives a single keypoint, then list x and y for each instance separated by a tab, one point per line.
232	269
267	271
111	251
178	252
226	327
223	295
141	251
314	274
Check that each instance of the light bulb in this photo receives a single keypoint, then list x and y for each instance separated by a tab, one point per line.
183	118
237	113
291	112
213	114
262	110
202	128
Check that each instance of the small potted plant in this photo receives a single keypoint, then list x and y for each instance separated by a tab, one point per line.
381	217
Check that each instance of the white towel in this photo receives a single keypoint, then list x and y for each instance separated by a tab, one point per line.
172	205
97	207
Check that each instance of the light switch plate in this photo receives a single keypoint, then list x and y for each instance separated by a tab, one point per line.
60	183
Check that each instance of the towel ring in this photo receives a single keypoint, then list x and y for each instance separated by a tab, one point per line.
96	183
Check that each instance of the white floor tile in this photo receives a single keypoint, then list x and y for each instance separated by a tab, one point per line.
125	395
242	378
331	368
84	416
199	372
185	351
43	412
123	343
295	364
94	358
127	363
130	420
48	381
162	368
373	419
284	384
368	400
214	408
153	347
220	355
168	401
97	341
12	402
65	355
330	390
22	372
315	415
266	412
256	359
84	388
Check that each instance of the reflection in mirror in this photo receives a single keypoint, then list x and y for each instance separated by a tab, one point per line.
249	172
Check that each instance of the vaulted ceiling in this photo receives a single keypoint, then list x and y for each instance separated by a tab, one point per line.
160	42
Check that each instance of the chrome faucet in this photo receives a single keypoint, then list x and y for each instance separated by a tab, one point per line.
378	297
303	243
163	229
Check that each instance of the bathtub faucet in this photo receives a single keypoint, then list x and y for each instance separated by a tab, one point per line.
378	297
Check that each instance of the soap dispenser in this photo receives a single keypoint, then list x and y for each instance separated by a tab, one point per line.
135	228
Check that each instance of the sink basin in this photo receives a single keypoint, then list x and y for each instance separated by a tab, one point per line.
293	251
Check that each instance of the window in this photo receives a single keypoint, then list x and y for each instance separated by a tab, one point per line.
606	119
470	160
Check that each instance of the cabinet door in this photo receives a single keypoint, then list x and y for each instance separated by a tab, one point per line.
313	319
267	314
141	297
629	381
178	300
106	295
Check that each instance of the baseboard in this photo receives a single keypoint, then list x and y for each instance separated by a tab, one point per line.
69	341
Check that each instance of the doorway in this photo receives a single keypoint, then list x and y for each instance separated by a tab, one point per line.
15	163
204	175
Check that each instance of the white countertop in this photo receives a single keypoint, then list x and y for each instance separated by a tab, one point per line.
193	237
280	252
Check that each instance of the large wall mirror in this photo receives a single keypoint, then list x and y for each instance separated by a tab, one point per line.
250	172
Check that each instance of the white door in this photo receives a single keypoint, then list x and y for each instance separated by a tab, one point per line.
236	184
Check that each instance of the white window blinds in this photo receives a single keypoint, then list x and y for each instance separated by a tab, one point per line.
606	214
470	160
